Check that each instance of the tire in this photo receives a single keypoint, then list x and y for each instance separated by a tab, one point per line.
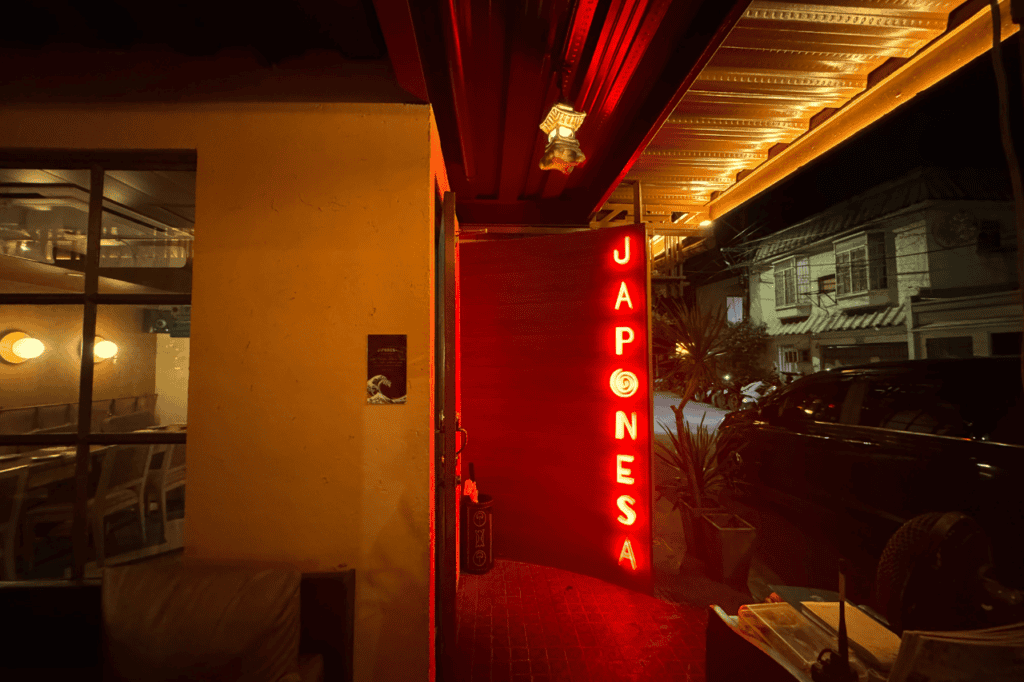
924	574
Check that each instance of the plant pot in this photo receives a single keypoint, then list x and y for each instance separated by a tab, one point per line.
691	526
729	545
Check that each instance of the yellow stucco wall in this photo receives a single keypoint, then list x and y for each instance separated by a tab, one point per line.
313	229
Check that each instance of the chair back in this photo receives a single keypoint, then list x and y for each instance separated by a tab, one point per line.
124	467
128	422
12	492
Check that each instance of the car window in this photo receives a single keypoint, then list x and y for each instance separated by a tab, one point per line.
960	404
918	404
819	401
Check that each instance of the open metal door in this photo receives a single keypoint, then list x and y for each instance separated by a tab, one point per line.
445	465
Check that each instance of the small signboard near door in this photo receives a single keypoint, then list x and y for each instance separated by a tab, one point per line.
386	369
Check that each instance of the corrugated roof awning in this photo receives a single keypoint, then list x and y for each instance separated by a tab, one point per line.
841	321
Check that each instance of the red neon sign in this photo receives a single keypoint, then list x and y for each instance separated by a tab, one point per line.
630	434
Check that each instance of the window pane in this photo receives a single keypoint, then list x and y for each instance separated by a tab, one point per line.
780	288
790	287
142	382
858	270
803	279
911	405
39	369
877	265
843	272
735	314
821	402
43	219
148	219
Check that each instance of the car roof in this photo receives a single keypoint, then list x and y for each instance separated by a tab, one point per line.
1004	362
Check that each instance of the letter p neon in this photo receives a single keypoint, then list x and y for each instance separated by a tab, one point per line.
623	335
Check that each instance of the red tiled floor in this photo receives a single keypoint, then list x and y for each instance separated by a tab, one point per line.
526	622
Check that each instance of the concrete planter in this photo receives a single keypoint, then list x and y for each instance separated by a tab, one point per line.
729	545
691	526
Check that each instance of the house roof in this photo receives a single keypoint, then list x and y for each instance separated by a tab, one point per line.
840	321
921	185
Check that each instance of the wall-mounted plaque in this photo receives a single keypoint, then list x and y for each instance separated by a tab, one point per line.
385	369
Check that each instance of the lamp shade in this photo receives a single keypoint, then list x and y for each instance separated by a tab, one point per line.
104	350
17	347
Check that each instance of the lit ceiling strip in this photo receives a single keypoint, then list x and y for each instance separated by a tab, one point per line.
935	62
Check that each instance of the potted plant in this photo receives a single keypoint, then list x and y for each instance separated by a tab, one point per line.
695	491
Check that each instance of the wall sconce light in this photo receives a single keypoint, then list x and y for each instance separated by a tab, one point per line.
563	151
103	350
17	347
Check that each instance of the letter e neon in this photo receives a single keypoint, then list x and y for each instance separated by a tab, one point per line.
622	474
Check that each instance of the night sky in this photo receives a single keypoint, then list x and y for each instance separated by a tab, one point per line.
955	124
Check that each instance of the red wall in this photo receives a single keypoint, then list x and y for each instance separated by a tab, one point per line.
538	350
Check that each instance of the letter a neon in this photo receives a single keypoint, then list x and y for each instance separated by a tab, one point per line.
625	259
627	553
622	425
623	296
628	516
623	335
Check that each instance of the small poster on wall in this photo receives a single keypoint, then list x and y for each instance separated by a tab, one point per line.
385	369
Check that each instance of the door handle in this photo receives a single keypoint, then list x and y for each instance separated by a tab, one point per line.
465	437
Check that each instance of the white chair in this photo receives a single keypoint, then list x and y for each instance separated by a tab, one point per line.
12	495
122	485
170	475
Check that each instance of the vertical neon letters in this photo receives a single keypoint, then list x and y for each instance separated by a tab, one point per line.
624	384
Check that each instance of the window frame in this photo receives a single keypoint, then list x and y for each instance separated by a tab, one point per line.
795	278
871	271
98	162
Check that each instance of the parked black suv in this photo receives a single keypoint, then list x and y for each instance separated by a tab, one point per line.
854	452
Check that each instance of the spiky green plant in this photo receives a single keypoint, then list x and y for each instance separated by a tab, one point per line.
694	454
691	339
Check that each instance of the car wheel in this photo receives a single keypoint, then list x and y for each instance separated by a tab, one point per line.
928	571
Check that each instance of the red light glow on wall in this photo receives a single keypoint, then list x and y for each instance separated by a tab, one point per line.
556	385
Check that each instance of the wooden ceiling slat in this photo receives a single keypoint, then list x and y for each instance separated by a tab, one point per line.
524	108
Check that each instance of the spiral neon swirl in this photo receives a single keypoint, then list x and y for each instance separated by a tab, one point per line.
623	383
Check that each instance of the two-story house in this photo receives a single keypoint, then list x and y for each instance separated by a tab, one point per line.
919	267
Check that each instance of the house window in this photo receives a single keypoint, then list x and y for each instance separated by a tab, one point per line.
734	307
827	284
792	282
98	274
862	267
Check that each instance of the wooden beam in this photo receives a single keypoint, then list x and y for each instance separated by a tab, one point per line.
457	75
403	51
939	59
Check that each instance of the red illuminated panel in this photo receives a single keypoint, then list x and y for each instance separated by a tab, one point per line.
556	392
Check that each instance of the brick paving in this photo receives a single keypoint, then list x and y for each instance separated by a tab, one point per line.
525	622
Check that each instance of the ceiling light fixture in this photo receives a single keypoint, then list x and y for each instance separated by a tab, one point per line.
17	347
705	223
563	152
